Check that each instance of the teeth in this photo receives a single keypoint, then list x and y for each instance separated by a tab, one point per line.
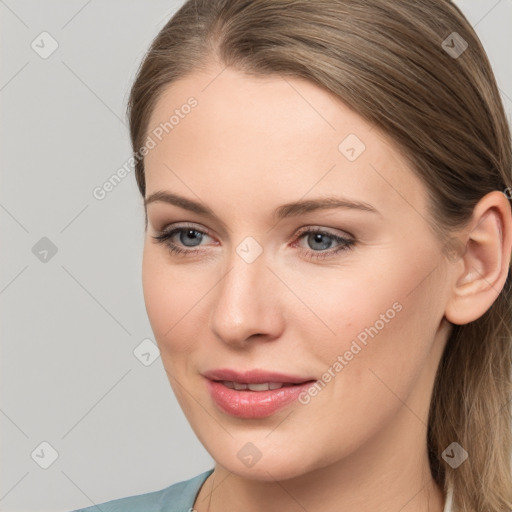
264	386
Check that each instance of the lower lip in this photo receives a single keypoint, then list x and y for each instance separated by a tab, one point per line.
254	404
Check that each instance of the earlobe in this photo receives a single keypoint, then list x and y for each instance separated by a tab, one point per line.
482	271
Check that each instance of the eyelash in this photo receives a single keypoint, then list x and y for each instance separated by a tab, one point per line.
346	244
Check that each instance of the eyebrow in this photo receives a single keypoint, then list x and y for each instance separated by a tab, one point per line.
287	210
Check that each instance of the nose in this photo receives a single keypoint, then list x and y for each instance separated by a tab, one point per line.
246	304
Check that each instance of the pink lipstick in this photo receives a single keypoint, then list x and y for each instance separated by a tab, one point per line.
254	394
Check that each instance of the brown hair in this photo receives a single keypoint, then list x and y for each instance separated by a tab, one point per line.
388	61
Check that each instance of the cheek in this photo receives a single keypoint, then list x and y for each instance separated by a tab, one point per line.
169	295
380	316
384	322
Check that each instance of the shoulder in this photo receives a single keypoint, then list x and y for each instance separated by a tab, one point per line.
178	497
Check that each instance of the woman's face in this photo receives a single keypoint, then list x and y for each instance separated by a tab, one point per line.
351	296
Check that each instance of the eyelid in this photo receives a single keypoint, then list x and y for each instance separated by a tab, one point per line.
186	225
327	231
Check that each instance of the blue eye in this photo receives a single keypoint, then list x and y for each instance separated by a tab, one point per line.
190	235
187	236
322	240
319	241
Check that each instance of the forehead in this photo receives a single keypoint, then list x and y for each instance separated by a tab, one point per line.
279	136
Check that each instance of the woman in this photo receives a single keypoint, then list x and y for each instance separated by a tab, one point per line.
327	257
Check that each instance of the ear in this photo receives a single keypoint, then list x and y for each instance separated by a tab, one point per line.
481	272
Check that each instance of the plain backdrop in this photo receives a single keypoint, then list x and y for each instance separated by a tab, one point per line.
74	395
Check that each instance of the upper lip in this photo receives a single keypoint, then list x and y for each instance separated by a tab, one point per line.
255	376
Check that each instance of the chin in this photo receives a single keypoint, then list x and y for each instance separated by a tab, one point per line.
268	470
263	463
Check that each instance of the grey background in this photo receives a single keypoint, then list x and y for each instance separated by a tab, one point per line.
70	325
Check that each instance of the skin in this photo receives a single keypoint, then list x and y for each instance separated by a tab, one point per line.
250	146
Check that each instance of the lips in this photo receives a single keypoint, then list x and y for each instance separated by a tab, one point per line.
254	376
254	394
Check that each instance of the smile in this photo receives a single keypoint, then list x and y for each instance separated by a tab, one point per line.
264	386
